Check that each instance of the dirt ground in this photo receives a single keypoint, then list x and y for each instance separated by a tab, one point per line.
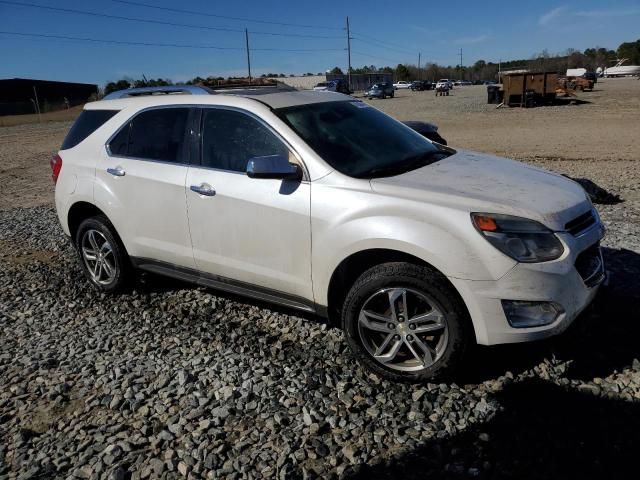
598	138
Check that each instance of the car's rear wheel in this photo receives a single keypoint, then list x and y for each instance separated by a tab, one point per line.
103	258
406	323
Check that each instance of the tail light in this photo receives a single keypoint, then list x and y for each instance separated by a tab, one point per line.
56	166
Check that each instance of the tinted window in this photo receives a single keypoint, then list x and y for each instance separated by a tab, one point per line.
359	140
118	144
230	139
156	134
87	123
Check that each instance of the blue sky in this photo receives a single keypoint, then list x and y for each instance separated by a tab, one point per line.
386	33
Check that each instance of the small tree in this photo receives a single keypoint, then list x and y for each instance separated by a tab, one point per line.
402	72
115	86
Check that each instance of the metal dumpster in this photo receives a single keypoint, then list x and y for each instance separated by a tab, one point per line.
516	86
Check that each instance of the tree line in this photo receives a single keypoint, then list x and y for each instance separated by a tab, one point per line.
590	58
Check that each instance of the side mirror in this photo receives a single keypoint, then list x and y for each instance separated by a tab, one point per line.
273	166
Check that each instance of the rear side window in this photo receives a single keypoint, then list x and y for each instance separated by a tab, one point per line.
87	123
153	135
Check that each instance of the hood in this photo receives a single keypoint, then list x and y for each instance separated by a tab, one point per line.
478	182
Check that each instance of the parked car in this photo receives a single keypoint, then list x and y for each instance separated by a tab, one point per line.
333	86
342	86
401	85
380	90
428	130
420	85
442	87
320	202
447	81
325	87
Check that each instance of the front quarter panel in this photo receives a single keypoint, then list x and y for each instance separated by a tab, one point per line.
348	217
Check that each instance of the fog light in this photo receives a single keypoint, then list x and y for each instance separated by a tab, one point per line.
521	314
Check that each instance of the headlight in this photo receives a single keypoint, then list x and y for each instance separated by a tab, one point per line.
522	239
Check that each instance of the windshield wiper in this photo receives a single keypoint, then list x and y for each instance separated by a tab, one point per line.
410	163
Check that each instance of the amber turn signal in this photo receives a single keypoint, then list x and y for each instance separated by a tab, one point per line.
486	224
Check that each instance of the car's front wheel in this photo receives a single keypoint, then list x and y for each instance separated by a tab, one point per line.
406	323
103	258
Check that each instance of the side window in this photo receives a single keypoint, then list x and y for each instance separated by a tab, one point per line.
118	144
87	123
230	139
156	134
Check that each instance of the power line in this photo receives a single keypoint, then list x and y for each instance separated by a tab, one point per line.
153	44
381	45
376	57
159	22
214	15
381	42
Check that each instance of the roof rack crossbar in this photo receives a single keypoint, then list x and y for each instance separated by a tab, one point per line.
136	92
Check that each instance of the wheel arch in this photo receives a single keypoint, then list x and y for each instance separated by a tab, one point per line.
355	264
82	210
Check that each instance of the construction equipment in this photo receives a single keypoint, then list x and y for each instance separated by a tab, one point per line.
575	83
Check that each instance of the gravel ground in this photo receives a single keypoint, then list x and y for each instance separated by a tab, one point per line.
172	380
176	381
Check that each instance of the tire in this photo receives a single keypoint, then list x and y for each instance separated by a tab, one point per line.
115	273
446	336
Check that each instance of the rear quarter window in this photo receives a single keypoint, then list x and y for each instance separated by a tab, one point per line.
87	123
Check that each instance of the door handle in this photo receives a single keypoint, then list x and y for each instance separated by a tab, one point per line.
116	172
203	189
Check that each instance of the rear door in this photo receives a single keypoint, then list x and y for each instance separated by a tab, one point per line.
141	183
245	230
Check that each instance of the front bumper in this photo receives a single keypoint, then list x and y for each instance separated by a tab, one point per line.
572	281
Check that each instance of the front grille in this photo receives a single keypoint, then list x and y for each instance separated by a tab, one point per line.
590	266
581	223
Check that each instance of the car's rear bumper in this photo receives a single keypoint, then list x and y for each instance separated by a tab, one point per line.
558	281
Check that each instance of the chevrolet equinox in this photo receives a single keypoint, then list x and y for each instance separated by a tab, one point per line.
320	202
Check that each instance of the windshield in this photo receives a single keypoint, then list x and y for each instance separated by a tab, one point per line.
359	140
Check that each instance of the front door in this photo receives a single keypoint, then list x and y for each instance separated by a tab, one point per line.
252	231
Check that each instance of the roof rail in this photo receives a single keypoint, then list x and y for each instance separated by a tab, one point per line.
169	89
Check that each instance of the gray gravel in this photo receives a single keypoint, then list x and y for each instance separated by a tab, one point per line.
174	381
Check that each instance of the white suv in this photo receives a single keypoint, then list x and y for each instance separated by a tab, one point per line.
320	202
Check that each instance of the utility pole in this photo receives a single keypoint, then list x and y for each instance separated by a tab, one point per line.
419	71
348	55
246	37
35	93
461	64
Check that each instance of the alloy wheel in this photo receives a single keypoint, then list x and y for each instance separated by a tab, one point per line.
98	256
403	329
